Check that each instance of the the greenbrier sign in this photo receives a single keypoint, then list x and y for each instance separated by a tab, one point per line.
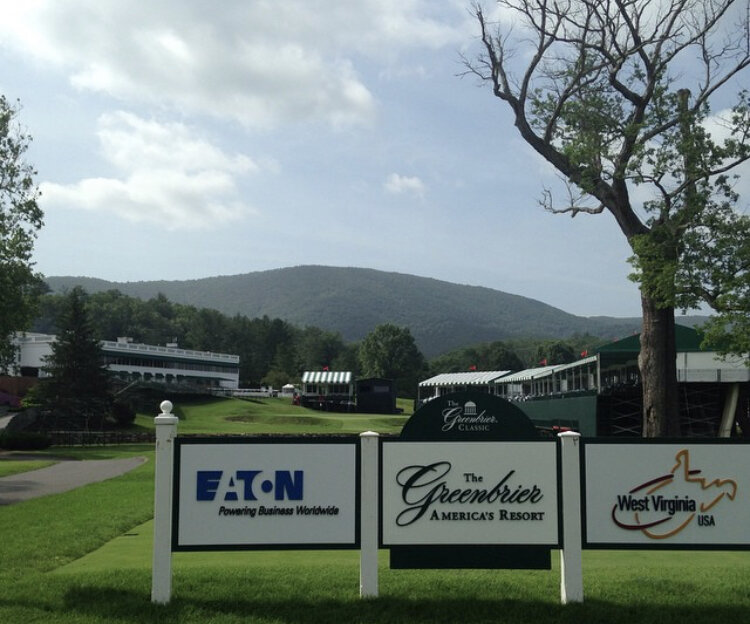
434	498
479	493
476	491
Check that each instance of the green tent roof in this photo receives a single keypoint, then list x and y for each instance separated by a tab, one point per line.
686	338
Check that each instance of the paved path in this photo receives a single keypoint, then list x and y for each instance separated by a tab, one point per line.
63	476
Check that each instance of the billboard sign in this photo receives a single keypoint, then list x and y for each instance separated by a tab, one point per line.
469	493
666	495
469	416
267	493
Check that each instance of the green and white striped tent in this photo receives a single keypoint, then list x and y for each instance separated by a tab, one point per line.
325	382
454	382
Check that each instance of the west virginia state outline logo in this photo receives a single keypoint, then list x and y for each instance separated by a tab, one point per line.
663	507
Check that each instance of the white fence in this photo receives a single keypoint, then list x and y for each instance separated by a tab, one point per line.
366	493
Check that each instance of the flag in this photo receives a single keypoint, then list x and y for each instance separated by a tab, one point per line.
584	353
473	367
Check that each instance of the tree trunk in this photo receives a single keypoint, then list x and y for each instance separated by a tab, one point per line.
658	365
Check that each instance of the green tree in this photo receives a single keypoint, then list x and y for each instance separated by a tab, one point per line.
276	379
286	360
601	94
159	321
243	338
77	389
207	331
318	348
347	359
556	352
263	344
490	356
485	357
20	219
721	279
113	315
390	352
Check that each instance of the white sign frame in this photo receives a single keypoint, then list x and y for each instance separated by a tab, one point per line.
499	468
665	494
266	493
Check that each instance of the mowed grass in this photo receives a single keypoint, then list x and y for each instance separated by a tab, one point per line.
10	466
273	415
85	557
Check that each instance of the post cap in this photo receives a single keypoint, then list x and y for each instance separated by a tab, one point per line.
569	434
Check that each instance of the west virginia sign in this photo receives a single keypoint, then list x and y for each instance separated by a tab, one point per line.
666	495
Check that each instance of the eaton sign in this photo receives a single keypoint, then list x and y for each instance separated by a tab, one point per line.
244	484
265	492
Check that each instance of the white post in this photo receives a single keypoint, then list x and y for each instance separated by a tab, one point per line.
368	526
166	430
571	568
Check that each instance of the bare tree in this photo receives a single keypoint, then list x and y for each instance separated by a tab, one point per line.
615	94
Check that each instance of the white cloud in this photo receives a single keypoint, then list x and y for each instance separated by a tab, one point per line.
166	176
261	63
398	184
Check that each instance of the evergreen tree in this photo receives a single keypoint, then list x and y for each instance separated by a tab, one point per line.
77	389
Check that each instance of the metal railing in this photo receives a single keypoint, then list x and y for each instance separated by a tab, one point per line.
100	438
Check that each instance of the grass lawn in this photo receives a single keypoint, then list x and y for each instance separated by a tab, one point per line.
85	557
10	466
275	415
631	586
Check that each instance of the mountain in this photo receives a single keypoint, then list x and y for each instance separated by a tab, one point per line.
352	301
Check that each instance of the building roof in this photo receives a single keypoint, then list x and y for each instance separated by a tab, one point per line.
473	378
327	377
157	352
590	359
686	339
528	374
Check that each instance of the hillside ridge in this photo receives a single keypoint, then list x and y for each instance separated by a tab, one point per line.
352	301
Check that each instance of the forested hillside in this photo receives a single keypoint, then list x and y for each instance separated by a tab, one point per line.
274	352
271	351
351	302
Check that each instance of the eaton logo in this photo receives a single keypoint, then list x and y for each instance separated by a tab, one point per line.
284	484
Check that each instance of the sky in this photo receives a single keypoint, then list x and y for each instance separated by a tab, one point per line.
183	139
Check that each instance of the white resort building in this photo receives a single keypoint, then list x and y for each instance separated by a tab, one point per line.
130	361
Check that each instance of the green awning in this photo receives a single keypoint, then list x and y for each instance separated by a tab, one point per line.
686	339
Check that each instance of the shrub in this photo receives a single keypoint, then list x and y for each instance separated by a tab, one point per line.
123	414
33	397
24	441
